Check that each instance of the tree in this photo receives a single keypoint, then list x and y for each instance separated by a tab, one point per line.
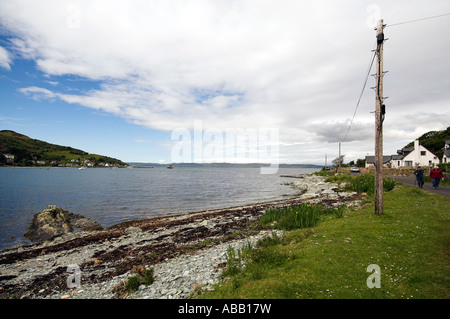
360	162
338	161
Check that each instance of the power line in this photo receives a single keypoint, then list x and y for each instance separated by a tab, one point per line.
373	58
412	21
361	94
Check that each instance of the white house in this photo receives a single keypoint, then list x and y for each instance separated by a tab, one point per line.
446	156
397	160
370	161
419	156
9	158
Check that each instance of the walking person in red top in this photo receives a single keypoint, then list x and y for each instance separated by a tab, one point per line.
436	175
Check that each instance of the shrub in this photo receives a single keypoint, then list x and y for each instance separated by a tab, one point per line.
445	167
148	277
133	283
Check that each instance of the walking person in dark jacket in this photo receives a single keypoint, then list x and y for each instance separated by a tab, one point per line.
436	175
419	176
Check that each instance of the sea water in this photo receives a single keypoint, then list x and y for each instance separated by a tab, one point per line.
111	196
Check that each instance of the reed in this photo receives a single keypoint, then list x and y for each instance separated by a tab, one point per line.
295	217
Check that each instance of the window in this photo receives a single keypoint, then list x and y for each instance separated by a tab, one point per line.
423	153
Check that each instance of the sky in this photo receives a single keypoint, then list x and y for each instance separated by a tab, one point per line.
214	81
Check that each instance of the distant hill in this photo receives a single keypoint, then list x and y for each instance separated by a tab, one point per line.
434	141
32	152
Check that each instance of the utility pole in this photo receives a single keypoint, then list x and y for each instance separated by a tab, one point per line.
379	117
339	158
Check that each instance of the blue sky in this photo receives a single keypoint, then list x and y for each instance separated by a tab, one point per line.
118	78
73	125
57	122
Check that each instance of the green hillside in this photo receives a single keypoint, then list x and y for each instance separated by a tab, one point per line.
32	152
434	141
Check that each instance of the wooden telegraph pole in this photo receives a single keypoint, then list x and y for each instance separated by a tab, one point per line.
379	117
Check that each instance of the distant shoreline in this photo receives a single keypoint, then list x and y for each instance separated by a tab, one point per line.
199	165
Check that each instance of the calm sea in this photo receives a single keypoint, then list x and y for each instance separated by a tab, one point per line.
110	196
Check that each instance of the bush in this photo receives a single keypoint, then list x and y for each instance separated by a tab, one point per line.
135	281
445	167
133	284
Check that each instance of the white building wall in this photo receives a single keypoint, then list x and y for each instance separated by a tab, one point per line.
396	163
420	156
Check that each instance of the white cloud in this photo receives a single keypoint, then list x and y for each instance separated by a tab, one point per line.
295	65
5	59
38	93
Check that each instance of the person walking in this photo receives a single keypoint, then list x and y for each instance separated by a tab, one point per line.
419	176
436	175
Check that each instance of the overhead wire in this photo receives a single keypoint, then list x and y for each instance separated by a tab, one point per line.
361	94
373	58
417	20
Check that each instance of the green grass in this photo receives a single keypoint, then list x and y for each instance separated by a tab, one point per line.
409	242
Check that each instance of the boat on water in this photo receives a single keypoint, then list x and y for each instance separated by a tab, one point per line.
170	166
82	167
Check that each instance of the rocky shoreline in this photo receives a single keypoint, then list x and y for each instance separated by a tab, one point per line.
186	251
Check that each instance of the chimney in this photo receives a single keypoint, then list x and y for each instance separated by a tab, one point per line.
416	149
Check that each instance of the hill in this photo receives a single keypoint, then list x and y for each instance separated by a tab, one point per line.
32	152
434	141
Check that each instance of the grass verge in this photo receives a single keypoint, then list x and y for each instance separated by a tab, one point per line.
409	243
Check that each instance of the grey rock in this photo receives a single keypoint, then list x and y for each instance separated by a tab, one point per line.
54	221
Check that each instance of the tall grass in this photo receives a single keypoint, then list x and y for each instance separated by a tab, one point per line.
235	261
362	184
299	216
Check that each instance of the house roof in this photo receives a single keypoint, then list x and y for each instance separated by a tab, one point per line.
397	157
405	150
371	159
